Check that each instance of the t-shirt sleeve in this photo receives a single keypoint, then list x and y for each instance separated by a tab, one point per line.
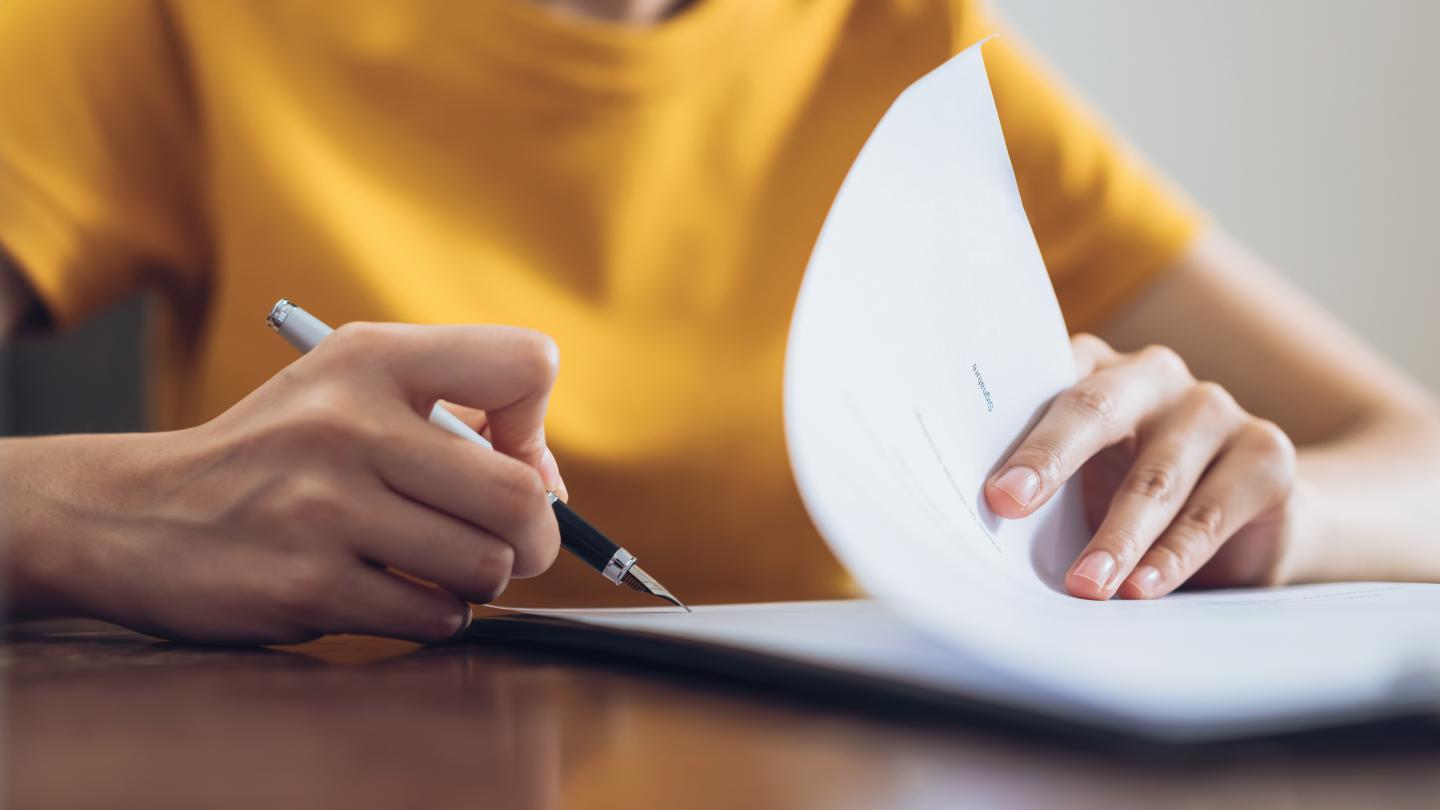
1107	223
98	152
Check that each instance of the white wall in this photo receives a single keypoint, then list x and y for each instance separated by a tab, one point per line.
1308	128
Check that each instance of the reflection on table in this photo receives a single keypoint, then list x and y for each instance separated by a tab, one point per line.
99	717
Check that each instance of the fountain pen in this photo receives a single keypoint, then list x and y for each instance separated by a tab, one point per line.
304	331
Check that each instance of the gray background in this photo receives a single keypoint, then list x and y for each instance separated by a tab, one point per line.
86	380
1306	127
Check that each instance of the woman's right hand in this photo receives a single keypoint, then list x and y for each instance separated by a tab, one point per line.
277	521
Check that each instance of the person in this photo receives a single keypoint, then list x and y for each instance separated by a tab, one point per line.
640	180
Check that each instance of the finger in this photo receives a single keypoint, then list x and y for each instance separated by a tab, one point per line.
488	490
464	560
1100	479
550	474
549	469
375	602
1253	474
1173	455
505	371
1090	352
1093	414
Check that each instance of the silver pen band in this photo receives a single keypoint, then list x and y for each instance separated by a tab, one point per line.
279	313
620	564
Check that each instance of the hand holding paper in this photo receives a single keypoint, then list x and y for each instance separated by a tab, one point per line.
1178	470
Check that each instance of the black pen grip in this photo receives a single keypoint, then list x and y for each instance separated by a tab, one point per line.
582	539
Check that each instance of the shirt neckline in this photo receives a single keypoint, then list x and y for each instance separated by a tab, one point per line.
621	58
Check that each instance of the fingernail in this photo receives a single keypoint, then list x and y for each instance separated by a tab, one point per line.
1097	566
461	623
1020	483
550	471
1146	580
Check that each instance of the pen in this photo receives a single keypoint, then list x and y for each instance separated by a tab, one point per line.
304	331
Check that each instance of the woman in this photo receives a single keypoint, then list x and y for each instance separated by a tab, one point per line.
642	182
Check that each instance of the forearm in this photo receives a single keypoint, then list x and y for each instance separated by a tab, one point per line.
1369	505
55	516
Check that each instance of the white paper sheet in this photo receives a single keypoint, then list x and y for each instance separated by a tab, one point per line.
926	340
1190	698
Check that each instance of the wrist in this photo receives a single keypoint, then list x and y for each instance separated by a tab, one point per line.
64	498
1301	557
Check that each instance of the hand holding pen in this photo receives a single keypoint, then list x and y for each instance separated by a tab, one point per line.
304	332
282	519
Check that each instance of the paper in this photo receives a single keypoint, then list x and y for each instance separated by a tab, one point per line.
1190	699
926	340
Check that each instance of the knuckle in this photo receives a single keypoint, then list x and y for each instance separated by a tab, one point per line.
1123	542
1154	481
1270	439
310	500
1214	396
358	339
1045	457
1201	521
1166	359
1089	402
316	502
1087	344
538	352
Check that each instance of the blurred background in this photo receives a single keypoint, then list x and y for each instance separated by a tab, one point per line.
1305	127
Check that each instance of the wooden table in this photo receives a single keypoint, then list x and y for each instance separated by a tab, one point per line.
99	717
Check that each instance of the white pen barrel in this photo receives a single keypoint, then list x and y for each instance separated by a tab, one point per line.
440	417
305	331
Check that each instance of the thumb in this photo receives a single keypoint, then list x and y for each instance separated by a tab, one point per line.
505	371
517	429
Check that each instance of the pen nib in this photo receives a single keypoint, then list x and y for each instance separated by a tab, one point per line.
638	580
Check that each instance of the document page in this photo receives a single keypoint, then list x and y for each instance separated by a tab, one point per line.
925	342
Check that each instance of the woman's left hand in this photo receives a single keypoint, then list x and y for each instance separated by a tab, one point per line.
1179	481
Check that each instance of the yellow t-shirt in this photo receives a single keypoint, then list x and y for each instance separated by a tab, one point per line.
647	196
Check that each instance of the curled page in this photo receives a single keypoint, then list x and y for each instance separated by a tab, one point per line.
926	339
